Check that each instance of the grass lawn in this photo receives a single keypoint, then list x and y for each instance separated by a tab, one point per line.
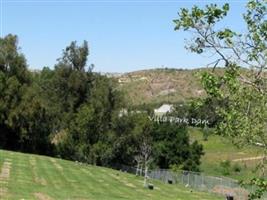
26	176
218	149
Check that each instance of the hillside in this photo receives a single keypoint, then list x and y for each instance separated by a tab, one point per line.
26	176
160	85
218	149
155	86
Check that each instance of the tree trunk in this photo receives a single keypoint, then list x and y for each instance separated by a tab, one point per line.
145	177
137	169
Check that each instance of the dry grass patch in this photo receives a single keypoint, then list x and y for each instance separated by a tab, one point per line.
42	196
87	171
5	172
58	166
36	179
129	184
238	193
3	193
4	177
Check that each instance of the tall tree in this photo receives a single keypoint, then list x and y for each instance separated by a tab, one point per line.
14	79
243	84
172	148
75	57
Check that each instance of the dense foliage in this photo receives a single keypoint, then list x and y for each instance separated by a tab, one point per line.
73	113
243	86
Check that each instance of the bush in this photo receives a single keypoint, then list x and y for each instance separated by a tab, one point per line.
237	167
206	134
225	167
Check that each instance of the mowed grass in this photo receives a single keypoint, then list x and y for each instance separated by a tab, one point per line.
218	149
26	176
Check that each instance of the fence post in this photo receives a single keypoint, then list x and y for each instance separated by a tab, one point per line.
188	175
202	182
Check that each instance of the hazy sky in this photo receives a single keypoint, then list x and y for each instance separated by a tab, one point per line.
123	35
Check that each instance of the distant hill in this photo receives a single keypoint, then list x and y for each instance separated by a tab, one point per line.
161	85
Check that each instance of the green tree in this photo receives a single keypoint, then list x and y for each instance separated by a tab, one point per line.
131	131
24	120
243	84
33	122
14	79
171	147
75	57
90	125
65	89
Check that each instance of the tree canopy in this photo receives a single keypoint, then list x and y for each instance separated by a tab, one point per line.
242	87
74	113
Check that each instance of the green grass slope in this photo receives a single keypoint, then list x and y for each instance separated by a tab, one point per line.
218	149
26	176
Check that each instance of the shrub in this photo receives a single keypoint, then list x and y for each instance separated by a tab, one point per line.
225	167
237	167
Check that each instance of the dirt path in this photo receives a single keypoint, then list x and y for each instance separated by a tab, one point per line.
248	159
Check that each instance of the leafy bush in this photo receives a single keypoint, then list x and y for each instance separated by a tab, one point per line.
206	134
237	167
226	167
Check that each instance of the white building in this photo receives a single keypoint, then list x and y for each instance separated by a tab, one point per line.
164	109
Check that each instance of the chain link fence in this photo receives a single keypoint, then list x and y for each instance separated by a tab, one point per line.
199	181
220	185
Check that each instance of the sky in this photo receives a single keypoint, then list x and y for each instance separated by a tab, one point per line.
123	35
